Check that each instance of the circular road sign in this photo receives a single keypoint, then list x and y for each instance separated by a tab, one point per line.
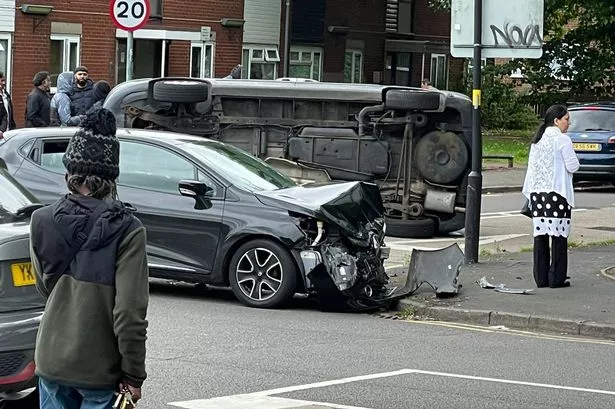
129	15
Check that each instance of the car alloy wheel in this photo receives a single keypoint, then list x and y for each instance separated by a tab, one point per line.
263	274
259	274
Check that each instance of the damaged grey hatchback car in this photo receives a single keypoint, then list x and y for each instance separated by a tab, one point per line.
217	215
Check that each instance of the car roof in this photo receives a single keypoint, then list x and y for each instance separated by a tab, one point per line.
170	138
608	105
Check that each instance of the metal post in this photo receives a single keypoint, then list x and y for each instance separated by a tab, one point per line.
129	55
287	41
475	179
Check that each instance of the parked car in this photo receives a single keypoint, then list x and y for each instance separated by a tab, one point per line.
21	307
414	144
217	215
592	131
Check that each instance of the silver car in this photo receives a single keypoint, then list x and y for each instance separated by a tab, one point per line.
21	307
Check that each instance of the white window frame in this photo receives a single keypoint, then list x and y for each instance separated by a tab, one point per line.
434	81
311	51
203	45
354	53
9	59
265	59
68	39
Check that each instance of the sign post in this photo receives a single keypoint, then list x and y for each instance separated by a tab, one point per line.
490	29
129	15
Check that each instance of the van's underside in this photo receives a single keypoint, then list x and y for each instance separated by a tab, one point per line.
414	146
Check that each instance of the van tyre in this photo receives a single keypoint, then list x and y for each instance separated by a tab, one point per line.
411	229
457	222
407	100
180	91
263	274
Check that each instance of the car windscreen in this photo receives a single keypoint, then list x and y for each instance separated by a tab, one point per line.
587	120
13	197
238	167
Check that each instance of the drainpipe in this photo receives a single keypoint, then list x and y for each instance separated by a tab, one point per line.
287	41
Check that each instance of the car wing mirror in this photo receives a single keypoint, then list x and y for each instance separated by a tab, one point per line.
194	188
197	190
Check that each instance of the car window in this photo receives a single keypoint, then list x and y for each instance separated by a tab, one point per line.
25	148
587	120
153	168
51	155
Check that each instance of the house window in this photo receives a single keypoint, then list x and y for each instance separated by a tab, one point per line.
353	66
201	60
305	63
64	55
438	71
155	8
260	62
5	58
399	16
404	17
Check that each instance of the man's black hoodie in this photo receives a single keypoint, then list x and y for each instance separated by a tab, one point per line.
93	330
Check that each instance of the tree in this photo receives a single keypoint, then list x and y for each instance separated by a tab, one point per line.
578	53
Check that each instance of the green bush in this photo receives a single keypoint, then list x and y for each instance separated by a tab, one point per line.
502	106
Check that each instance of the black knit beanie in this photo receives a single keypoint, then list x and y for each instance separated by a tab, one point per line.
100	90
94	149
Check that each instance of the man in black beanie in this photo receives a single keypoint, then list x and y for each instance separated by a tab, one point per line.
88	253
82	97
37	104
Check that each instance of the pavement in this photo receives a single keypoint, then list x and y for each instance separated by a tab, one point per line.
586	308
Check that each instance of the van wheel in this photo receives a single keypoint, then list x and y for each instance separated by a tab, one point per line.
180	91
262	274
411	229
457	222
408	100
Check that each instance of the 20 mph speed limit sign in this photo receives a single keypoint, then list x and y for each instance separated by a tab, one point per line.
129	15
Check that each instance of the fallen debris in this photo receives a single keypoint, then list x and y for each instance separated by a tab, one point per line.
438	268
501	288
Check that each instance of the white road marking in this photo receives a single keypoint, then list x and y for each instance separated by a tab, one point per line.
397	244
250	401
263	399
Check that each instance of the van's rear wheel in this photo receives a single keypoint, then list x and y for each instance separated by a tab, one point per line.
411	229
180	91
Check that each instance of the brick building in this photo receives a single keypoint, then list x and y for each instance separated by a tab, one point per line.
372	41
81	33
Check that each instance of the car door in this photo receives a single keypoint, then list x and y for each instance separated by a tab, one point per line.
182	240
42	170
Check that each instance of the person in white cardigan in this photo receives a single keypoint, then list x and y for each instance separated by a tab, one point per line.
548	187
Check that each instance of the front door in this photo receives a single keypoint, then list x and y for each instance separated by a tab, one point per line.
181	239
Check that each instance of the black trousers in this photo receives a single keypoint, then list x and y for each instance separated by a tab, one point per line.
550	267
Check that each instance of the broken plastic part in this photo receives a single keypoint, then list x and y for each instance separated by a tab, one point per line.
438	268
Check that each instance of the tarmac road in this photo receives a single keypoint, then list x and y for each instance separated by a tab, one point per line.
205	344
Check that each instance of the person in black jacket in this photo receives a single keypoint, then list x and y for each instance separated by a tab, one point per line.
7	121
82	97
37	106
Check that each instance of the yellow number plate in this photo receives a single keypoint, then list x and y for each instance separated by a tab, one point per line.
22	274
586	146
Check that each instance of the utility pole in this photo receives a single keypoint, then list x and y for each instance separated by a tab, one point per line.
475	178
129	55
287	41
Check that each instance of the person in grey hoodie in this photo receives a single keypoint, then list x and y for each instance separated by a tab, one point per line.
88	254
59	109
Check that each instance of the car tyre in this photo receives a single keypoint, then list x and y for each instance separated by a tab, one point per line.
408	100
263	274
180	91
455	223
411	229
